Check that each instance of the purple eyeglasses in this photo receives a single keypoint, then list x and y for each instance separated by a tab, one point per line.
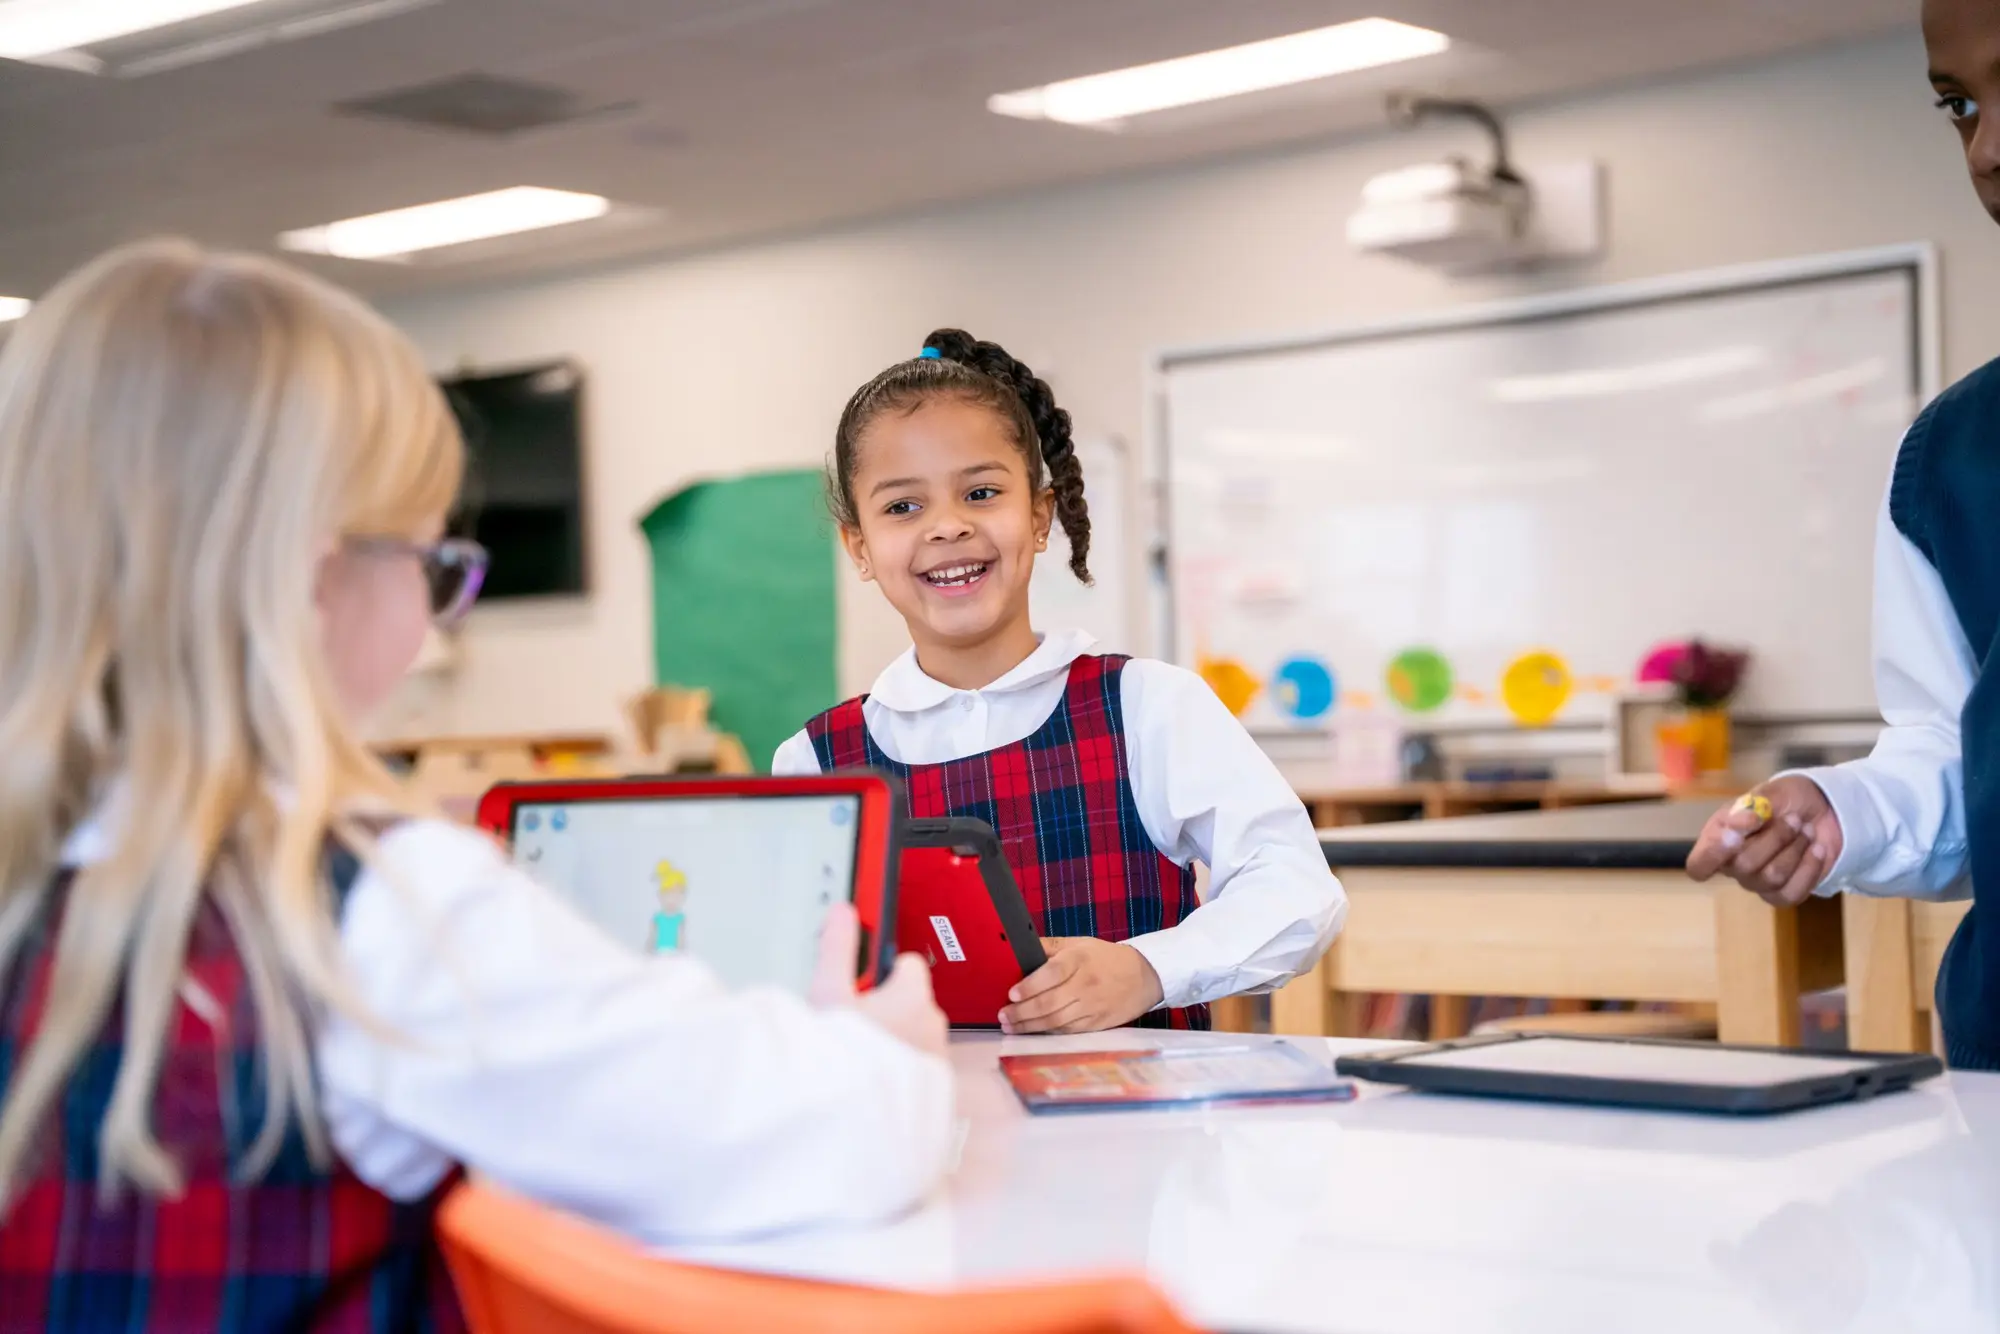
454	568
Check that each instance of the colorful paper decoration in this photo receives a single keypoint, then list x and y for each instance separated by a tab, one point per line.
1657	667
1535	688
1232	683
1304	688
1419	679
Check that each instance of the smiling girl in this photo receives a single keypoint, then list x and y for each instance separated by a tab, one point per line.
1106	778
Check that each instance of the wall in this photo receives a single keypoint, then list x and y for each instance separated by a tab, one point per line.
741	359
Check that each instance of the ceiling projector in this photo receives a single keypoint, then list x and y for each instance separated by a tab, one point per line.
1463	218
1447	215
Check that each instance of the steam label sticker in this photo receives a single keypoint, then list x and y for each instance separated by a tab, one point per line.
948	939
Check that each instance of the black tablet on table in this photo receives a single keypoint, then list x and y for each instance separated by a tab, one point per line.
1642	1072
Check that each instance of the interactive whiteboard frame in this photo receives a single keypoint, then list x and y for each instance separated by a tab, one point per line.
1918	259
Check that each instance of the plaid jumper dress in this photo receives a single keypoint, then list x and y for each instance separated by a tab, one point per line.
1061	801
301	1248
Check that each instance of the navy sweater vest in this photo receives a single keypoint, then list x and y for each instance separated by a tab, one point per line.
1945	499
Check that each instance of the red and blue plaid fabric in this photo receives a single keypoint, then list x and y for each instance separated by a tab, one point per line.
1061	801
301	1248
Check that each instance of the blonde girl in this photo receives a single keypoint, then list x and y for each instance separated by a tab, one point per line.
255	1006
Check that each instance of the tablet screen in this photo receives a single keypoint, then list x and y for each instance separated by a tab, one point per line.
741	883
1644	1061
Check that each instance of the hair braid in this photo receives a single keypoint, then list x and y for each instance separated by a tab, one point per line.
1051	424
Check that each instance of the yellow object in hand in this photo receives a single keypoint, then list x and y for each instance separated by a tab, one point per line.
1757	804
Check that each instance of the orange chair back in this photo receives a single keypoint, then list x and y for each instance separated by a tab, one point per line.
524	1269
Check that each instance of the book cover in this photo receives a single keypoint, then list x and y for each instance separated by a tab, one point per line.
1237	1075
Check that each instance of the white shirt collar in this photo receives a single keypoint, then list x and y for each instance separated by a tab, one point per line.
905	688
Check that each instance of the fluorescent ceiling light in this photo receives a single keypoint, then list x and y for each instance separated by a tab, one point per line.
449	222
1253	67
13	307
32	29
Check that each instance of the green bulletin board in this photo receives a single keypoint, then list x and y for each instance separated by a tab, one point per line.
743	601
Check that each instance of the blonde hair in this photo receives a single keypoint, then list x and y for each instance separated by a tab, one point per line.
183	436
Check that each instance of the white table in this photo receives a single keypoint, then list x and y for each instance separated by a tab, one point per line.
1402	1212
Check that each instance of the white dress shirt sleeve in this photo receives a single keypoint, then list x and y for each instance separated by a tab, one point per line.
1206	792
506	1033
796	758
1902	809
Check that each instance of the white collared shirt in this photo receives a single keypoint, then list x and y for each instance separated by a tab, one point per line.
1206	793
1902	809
513	1037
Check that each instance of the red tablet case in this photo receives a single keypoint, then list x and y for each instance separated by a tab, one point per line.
958	906
875	845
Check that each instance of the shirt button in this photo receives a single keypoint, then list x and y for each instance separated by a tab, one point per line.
968	701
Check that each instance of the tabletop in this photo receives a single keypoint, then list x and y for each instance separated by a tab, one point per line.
1402	1213
1647	836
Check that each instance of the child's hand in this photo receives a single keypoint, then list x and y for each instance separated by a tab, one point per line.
1781	858
838	960
1086	985
903	1004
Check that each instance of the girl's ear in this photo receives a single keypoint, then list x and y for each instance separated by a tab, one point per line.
857	551
1045	517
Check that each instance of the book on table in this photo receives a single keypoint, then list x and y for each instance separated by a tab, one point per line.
1240	1074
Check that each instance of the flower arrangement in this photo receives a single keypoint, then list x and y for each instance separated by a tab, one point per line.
1708	677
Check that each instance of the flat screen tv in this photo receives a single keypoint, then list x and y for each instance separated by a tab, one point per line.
523	496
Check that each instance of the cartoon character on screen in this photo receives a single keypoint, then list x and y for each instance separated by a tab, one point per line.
669	921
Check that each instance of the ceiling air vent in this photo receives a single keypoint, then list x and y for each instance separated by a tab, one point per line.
482	104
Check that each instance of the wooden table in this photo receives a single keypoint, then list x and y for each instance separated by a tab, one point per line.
1580	903
1894	947
1406	1214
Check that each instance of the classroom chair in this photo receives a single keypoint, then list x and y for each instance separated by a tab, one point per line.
1894	950
521	1268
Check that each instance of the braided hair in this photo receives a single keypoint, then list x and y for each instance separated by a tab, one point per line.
955	364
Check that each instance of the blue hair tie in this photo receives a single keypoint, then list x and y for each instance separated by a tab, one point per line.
930	354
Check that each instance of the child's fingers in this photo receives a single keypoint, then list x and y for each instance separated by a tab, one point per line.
1751	811
1811	870
1726	834
1761	848
1035	1017
1077	1020
1058	970
839	954
1712	850
1778	872
1040	1007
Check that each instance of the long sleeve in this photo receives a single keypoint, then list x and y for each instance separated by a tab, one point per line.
1206	792
795	758
505	1033
1902	809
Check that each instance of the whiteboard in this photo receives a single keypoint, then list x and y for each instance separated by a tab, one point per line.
1588	475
